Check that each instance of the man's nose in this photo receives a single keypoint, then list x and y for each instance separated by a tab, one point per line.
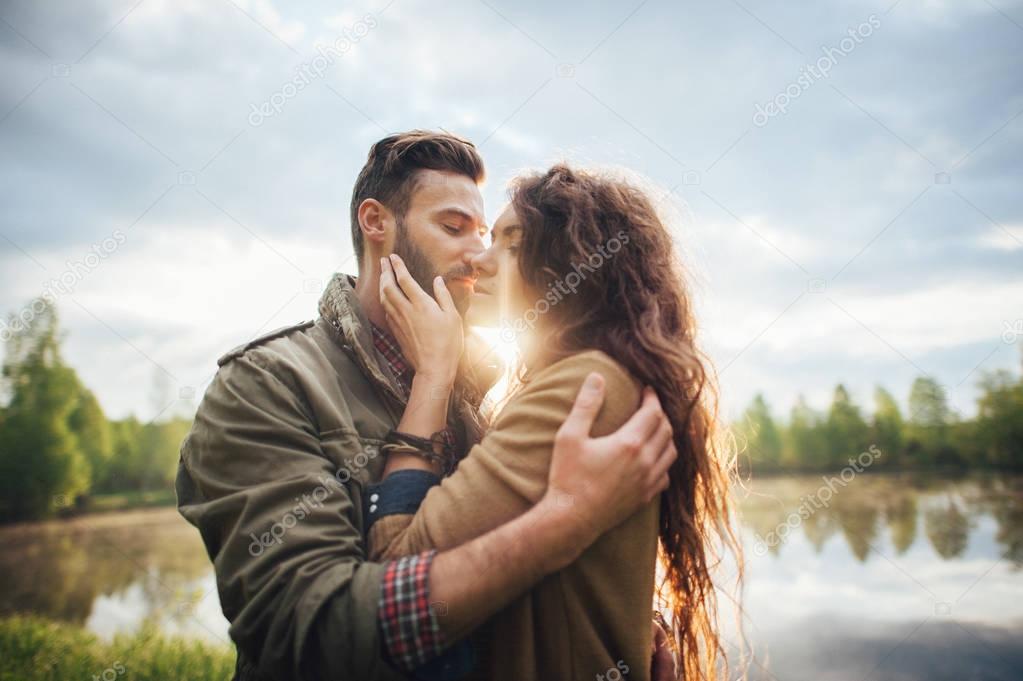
473	252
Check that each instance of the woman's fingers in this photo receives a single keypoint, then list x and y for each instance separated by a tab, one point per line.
413	291
443	295
388	285
390	290
390	311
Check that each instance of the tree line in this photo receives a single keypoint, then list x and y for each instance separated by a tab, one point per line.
57	447
930	434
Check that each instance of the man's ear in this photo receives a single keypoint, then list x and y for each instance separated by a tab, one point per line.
376	223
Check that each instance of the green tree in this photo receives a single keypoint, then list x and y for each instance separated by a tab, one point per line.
805	440
125	464
160	448
848	433
999	429
928	403
761	433
145	456
92	431
930	419
42	467
886	428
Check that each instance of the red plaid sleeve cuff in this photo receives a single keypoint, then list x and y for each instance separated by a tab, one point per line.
411	634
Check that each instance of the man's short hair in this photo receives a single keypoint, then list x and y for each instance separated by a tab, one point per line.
391	171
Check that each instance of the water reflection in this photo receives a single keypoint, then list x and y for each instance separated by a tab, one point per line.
112	573
895	576
777	508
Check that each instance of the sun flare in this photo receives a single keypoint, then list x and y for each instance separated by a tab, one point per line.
508	351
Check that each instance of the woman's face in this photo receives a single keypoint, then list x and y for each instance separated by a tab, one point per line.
500	295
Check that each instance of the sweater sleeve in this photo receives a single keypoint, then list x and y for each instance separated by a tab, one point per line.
506	473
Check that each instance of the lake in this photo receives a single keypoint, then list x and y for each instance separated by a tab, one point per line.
878	577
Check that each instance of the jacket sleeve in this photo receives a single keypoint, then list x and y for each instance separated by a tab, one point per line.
278	527
506	473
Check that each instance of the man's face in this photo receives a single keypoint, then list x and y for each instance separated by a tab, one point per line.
442	232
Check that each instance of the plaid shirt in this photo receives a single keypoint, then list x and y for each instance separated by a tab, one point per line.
387	345
411	634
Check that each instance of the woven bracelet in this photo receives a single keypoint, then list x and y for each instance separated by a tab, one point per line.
397	442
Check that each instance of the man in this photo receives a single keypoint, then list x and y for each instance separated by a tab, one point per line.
286	440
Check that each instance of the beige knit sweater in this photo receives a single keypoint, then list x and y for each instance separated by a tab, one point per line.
581	622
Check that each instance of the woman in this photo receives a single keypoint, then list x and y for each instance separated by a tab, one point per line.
588	271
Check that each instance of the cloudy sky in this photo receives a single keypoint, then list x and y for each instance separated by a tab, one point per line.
847	175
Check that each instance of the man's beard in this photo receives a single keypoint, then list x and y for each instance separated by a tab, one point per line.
423	271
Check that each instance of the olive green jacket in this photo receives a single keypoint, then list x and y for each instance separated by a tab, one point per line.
272	474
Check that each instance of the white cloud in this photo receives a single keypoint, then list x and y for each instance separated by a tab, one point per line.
1009	238
174	297
817	184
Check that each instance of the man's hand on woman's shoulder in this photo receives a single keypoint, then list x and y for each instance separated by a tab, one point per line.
598	482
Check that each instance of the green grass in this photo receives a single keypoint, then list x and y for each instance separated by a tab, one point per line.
35	649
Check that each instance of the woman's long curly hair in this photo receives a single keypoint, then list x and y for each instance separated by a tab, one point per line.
634	304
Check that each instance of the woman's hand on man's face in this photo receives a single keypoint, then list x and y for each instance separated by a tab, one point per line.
428	330
604	480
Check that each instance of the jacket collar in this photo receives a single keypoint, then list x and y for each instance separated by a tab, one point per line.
339	306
